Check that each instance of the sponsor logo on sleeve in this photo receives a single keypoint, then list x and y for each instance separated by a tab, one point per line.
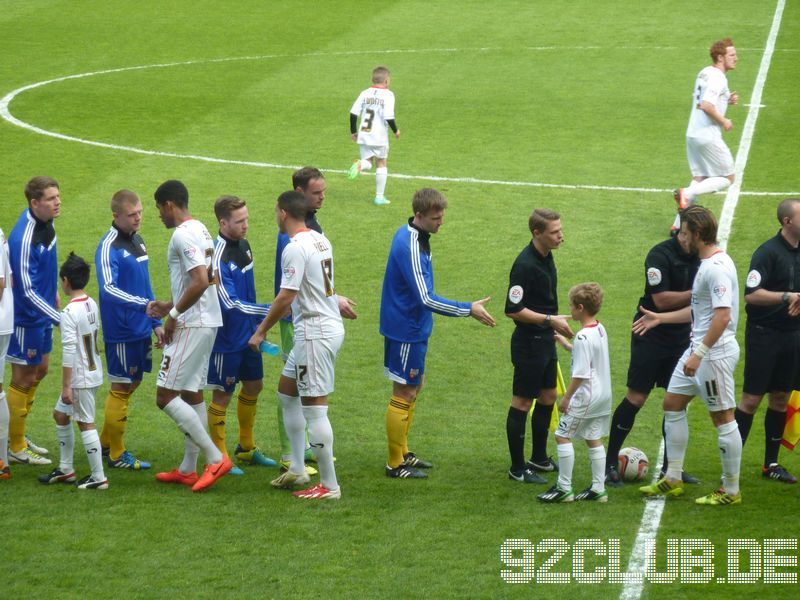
288	273
189	252
653	276
753	279
720	291
515	294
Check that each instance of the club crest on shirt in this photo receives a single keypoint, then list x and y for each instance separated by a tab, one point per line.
515	294
719	290
653	276
189	252
753	279
288	273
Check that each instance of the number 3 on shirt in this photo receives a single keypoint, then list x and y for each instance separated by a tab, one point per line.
366	121
327	275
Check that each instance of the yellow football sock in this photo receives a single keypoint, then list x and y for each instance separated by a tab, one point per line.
216	425
114	422
411	408
396	429
246	413
17	398
31	396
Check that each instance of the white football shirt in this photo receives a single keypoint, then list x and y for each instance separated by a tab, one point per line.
307	265
375	106
711	86
191	246
7	301
716	286
590	362
79	321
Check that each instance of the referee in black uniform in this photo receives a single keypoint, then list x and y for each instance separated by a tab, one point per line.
532	302
772	336
669	274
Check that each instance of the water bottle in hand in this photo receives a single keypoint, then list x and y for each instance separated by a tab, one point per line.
269	348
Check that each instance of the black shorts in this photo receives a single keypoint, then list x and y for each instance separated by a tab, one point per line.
771	360
534	359
652	363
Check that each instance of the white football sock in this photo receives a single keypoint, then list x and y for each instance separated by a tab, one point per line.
295	424
91	441
707	186
597	458
381	174
676	428
730	451
187	418
566	461
320	435
366	164
66	447
4	417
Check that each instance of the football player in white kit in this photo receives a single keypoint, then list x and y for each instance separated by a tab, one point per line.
375	109
710	160
307	287
6	329
706	367
193	316
82	377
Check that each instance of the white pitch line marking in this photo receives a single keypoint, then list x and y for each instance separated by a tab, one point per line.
651	518
5	113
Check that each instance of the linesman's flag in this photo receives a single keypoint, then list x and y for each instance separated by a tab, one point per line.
791	431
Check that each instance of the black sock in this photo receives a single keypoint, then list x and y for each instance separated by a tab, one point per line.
774	423
540	425
665	462
621	425
516	422
745	422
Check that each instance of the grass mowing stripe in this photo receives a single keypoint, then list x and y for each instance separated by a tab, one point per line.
651	518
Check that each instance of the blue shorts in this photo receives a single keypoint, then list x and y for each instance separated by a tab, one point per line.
404	362
29	344
127	361
225	369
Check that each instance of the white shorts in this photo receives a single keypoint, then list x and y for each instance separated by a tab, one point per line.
185	362
583	428
5	339
288	366
82	407
713	381
370	151
314	365
709	158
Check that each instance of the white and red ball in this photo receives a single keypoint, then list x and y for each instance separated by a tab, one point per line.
633	464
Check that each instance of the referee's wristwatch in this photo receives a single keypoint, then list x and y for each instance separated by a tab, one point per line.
547	319
785	297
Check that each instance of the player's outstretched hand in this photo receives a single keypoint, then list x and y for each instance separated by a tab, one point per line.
733	98
727	124
255	341
646	322
346	308
794	304
478	311
559	325
397	134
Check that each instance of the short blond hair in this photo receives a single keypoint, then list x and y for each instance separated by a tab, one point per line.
590	295
123	198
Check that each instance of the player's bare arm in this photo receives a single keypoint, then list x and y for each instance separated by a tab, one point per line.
714	114
198	284
720	320
650	319
666	301
279	308
558	323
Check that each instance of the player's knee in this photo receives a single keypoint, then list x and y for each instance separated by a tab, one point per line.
547	397
749	403
778	401
637	399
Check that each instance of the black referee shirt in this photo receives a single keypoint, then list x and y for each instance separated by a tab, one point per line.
774	266
668	269
533	284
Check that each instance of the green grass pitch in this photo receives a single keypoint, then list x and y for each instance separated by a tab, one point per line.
579	93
